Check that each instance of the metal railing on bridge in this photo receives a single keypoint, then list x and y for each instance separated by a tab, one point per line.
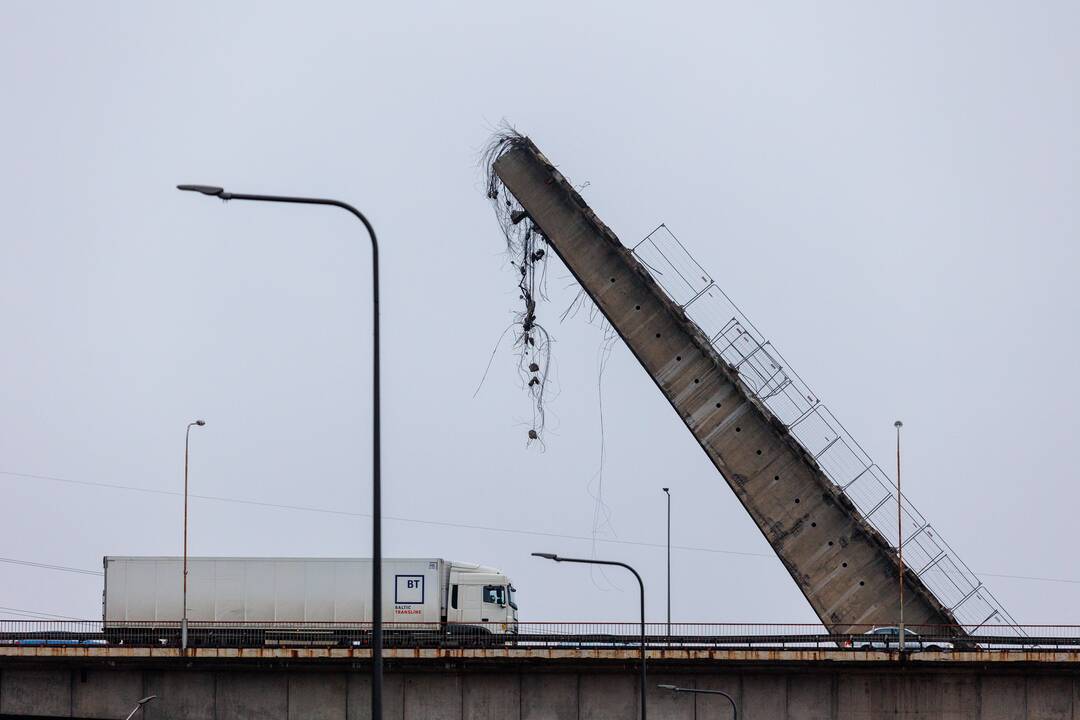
580	635
772	381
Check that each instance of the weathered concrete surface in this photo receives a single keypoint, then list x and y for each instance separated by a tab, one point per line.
710	707
843	566
189	694
853	696
1005	699
664	703
318	696
36	691
491	697
359	696
105	693
767	695
251	695
549	696
433	696
1049	698
608	697
809	699
581	690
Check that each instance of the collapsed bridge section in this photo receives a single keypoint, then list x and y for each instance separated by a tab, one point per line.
810	489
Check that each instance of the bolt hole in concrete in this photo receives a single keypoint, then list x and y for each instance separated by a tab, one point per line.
678	358
738	429
796	501
861	583
844	564
813	524
657	334
612	279
758	452
830	543
637	307
775	477
718	404
696	381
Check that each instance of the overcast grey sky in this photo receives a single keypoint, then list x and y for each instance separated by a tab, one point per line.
889	191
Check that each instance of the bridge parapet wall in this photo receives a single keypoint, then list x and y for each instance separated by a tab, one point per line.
778	685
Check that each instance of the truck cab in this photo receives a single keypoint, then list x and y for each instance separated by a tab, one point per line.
481	596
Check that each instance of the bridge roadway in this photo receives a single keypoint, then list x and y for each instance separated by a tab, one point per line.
537	683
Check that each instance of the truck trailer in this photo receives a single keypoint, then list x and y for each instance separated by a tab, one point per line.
301	600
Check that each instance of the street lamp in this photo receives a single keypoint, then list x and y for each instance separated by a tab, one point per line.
187	442
734	707
376	515
139	706
899	532
667	491
641	585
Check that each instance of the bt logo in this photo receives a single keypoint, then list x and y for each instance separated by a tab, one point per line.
409	589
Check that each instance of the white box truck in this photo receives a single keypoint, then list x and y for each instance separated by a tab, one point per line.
272	598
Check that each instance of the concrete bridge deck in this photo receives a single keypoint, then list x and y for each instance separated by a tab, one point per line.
416	657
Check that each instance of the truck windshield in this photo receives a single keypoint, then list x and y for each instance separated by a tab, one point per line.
512	592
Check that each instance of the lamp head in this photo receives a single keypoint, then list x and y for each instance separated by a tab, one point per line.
673	688
200	423
898	424
147	699
547	556
666	490
211	190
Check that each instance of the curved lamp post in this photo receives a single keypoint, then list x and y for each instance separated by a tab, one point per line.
183	621
376	515
734	707
641	585
900	532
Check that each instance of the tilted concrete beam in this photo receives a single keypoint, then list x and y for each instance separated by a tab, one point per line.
846	570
